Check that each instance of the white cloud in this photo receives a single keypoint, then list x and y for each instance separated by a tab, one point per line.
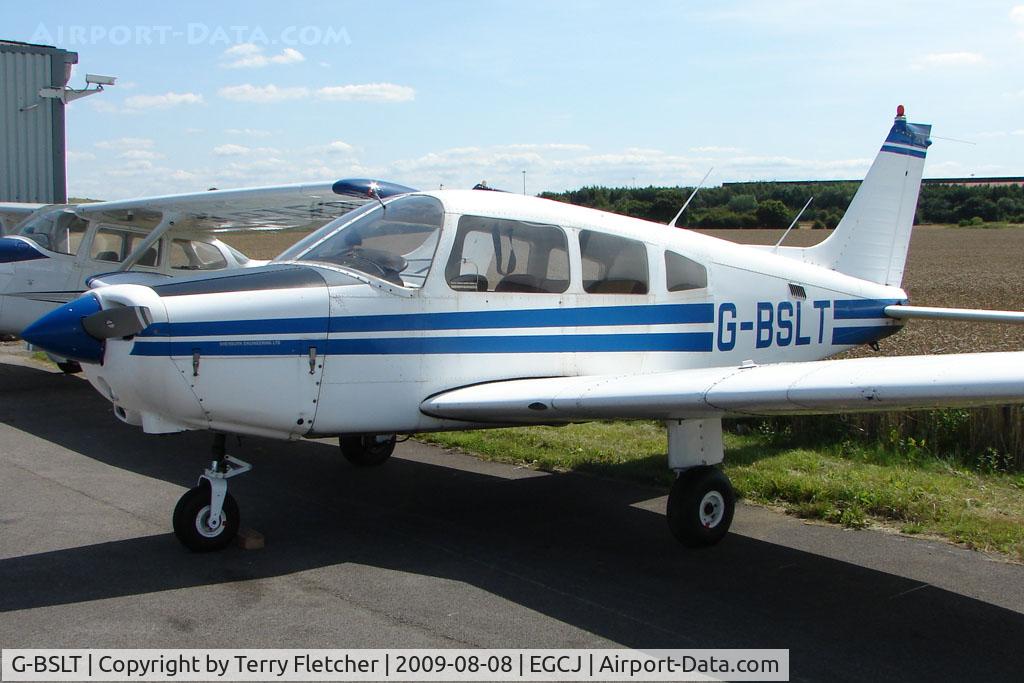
1017	17
231	150
340	147
251	56
262	93
80	156
193	131
552	146
168	99
125	143
714	149
136	154
553	169
249	132
947	60
367	92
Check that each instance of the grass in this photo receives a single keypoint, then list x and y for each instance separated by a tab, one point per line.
846	483
41	357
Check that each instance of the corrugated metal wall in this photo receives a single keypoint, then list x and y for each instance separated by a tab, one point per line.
32	157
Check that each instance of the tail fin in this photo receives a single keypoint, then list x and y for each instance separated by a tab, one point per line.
871	240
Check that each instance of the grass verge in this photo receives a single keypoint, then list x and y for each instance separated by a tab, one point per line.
844	483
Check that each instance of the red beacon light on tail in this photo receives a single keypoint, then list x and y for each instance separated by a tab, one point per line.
900	111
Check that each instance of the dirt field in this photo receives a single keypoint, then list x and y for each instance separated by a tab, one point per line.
947	266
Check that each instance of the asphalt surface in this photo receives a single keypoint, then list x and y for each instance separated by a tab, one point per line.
436	549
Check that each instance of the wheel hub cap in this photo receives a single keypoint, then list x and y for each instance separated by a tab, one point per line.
712	509
204	526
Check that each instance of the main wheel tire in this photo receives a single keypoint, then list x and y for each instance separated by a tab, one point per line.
701	506
191	517
367	450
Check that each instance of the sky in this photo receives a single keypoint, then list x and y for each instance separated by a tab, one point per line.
574	93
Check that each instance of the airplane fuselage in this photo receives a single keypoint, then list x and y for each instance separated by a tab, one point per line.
307	348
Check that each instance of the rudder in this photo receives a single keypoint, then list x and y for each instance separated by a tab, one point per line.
872	238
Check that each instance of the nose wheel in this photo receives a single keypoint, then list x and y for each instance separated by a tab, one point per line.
206	518
700	506
198	528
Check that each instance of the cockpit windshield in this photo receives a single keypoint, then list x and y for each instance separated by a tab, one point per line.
60	231
394	242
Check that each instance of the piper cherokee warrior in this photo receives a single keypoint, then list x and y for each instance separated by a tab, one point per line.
462	309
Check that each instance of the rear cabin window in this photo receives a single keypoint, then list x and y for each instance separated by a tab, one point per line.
500	255
612	264
682	274
151	257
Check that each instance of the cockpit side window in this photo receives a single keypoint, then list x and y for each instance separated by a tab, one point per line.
59	231
500	255
682	274
395	242
613	264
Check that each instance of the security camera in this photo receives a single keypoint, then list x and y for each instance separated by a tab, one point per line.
96	79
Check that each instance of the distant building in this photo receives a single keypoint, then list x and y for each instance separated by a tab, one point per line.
1018	181
972	180
32	154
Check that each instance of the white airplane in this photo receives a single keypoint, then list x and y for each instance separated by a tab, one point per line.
58	248
459	309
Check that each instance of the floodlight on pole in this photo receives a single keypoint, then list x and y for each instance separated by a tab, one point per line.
66	94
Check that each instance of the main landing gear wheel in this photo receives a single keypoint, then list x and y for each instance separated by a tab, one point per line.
700	506
367	450
193	524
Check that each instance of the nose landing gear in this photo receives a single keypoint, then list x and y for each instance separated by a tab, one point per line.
206	518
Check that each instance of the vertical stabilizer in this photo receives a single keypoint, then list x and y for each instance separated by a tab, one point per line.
871	240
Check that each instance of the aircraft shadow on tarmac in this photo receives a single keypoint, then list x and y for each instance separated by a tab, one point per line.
568	546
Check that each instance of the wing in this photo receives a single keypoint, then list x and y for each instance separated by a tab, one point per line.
830	386
278	207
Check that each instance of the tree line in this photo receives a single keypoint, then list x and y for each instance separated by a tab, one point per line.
774	205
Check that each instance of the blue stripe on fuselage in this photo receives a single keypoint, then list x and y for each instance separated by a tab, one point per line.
683	341
854	335
665	314
860	309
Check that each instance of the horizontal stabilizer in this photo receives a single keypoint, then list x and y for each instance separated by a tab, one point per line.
830	386
976	315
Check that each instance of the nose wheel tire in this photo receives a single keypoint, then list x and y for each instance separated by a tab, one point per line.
367	450
701	506
192	524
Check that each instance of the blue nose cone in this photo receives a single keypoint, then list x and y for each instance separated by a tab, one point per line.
61	333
